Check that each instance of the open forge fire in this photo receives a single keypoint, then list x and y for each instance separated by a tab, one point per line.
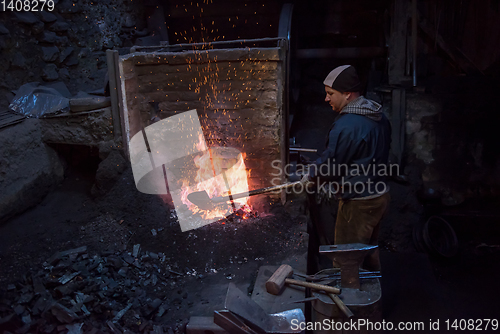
234	96
180	163
220	173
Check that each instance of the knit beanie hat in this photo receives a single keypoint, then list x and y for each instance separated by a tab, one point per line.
344	79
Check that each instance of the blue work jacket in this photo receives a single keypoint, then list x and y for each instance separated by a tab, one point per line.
355	161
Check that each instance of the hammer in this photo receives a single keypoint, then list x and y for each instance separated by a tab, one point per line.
280	277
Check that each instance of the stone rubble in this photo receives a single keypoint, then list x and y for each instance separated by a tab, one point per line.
79	293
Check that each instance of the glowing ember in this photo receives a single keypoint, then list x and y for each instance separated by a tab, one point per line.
219	173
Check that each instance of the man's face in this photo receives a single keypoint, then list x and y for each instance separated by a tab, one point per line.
336	99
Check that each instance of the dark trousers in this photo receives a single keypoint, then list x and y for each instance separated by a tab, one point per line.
321	229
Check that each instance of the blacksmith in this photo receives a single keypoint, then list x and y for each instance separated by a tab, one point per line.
353	167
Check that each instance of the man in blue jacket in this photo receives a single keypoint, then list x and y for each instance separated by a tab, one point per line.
353	167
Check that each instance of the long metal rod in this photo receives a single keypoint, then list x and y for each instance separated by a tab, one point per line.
298	149
367	274
74	114
245	194
255	40
284	31
265	190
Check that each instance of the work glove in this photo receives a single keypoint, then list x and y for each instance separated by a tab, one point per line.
294	177
301	175
303	160
306	179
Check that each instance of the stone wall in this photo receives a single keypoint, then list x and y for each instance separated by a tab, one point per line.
452	139
29	169
89	128
67	44
237	93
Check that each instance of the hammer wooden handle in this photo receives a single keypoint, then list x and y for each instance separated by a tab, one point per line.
276	282
314	286
340	304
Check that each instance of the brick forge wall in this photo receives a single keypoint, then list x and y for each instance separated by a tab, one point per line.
238	94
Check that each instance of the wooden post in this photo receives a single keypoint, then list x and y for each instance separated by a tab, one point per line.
398	123
283	109
397	42
114	81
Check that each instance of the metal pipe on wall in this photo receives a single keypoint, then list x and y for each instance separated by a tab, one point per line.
414	24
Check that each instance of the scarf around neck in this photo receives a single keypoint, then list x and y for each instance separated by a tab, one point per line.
365	107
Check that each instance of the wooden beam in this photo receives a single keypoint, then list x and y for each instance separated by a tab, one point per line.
398	42
113	92
398	123
455	54
359	52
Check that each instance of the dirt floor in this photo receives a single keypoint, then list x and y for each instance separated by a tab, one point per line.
176	275
193	268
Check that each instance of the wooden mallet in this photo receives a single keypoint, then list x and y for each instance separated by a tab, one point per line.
280	277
